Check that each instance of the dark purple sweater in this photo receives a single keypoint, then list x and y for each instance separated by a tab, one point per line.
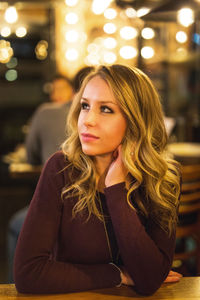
58	254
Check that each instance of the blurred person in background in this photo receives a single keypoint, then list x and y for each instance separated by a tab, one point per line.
47	127
47	130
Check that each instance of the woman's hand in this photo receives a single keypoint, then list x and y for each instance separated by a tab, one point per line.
126	279
173	277
116	172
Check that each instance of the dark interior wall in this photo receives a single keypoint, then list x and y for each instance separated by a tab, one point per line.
18	101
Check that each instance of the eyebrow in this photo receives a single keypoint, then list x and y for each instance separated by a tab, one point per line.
101	101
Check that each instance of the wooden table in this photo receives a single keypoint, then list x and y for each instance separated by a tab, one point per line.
188	288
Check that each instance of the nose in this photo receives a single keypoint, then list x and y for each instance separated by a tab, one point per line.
90	118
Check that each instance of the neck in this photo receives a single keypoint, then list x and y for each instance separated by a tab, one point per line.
102	163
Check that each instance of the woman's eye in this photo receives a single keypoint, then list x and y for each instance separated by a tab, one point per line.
106	109
84	106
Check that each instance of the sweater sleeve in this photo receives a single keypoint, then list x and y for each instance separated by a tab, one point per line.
35	271
146	251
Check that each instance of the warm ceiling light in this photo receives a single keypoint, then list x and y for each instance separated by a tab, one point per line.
142	11
6	52
109	28
181	37
99	6
71	2
131	12
92	48
128	32
128	52
148	33
147	52
109	57
11	15
5	31
71	54
110	13
185	16
92	59
110	43
72	36
21	31
71	18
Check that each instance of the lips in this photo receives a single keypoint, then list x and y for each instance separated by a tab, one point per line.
88	137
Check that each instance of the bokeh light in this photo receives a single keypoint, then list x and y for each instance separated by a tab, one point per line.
110	43
71	2
6	51
5	31
147	52
185	16
11	75
148	33
71	18
21	31
128	52
128	32
11	15
71	54
110	13
109	28
181	37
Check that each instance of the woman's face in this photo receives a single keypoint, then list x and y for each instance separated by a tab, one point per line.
101	124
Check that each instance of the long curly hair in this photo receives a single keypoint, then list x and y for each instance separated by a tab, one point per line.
143	150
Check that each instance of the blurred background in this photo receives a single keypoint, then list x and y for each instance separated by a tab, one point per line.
39	39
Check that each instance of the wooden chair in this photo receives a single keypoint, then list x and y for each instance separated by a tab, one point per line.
189	216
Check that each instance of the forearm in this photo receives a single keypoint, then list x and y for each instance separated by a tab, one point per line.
41	276
146	257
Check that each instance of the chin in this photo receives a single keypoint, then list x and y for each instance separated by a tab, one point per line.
88	152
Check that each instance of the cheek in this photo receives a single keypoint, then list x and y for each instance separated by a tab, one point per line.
118	131
79	123
121	128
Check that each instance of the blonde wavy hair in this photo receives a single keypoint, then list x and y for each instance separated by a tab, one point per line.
143	150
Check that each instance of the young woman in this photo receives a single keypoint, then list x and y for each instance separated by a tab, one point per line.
104	211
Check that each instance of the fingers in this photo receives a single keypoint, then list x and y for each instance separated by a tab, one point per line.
173	277
173	273
117	152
